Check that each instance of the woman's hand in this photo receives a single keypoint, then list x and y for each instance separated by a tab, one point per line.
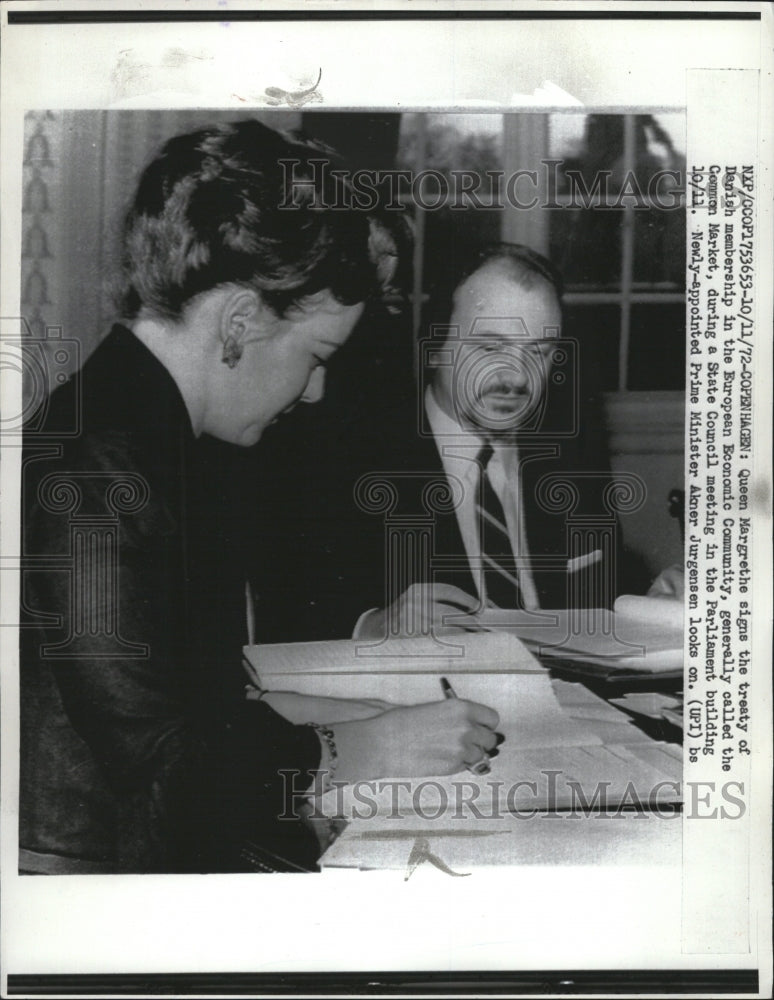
302	708
436	738
420	610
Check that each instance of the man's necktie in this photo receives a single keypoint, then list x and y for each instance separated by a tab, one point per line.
499	569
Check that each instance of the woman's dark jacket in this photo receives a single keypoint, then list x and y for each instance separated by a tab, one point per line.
139	752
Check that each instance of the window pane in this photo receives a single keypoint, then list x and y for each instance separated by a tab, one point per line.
657	347
586	247
585	241
659	248
600	174
449	144
595	327
671	128
591	148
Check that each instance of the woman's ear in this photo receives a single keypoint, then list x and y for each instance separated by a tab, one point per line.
242	320
241	314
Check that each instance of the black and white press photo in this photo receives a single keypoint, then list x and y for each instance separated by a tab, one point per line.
385	499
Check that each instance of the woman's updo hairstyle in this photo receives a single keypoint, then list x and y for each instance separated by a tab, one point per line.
220	206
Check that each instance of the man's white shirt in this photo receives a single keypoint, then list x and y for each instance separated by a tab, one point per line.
459	448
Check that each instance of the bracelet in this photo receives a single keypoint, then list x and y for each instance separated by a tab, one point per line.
329	758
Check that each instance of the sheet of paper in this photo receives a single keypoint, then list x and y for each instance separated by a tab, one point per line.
577	737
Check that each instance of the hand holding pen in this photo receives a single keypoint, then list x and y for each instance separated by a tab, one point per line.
488	744
414	741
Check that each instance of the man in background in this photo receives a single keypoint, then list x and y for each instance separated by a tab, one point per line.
499	423
502	421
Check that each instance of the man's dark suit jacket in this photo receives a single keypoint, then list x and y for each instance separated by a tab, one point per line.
416	456
139	752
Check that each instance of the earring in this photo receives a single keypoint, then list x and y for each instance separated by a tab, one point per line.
232	352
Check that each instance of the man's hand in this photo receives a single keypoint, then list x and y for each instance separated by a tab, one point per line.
422	609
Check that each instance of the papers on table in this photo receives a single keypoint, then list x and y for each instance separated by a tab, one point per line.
643	635
559	752
522	782
589	754
666	612
545	822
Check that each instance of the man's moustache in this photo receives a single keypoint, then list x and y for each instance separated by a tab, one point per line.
502	389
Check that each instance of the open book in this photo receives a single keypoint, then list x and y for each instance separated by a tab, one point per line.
491	668
584	747
472	652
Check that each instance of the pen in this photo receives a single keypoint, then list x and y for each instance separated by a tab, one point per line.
448	690
482	766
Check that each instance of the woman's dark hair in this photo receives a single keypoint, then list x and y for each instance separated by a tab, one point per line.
241	203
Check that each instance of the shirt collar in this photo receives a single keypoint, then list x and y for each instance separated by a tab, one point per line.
458	445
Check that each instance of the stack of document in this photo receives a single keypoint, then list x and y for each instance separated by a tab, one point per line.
643	635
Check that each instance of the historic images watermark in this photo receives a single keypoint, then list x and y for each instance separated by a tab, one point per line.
524	190
43	360
550	794
90	504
